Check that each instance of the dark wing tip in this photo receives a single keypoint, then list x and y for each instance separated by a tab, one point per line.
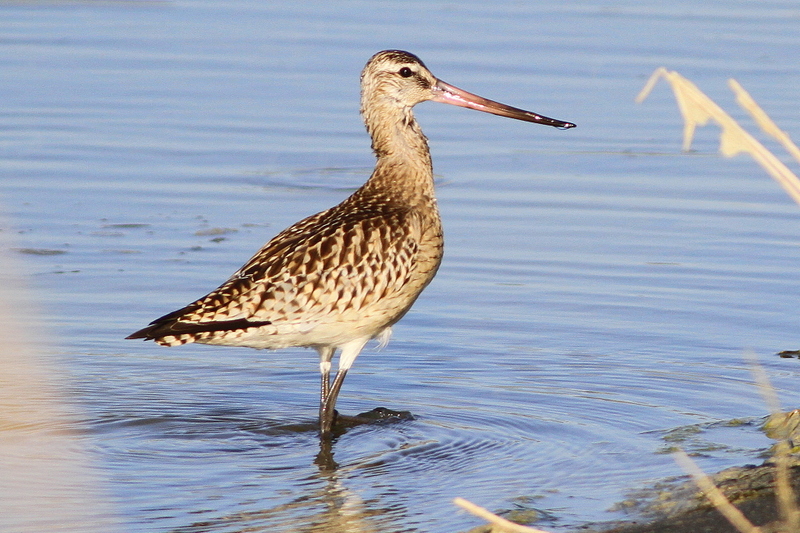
157	329
141	334
160	326
174	327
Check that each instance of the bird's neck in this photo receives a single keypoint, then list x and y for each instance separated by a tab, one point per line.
404	161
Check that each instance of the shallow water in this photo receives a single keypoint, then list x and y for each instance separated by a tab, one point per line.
598	291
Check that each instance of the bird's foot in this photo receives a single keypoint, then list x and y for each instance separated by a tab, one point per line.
340	423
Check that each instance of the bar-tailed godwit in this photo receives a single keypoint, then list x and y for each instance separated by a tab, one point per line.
339	278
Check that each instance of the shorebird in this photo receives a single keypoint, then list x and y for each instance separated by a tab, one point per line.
339	278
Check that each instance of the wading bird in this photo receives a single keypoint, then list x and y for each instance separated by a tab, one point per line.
339	278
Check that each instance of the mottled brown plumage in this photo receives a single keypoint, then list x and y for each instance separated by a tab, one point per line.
343	276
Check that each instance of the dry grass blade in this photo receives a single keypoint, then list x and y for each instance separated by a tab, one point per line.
762	119
498	522
698	109
764	386
714	495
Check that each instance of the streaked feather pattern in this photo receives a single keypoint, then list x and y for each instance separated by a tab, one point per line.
349	271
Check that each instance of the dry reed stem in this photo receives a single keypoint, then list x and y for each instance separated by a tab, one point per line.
697	109
714	495
497	521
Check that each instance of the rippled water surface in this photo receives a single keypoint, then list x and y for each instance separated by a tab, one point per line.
598	291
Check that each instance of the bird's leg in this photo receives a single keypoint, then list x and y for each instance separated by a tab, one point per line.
325	355
325	385
327	408
327	413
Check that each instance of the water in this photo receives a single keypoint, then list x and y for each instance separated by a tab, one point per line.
598	291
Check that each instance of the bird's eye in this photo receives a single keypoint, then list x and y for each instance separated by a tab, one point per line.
405	72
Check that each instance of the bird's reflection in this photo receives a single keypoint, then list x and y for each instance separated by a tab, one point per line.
327	504
324	459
